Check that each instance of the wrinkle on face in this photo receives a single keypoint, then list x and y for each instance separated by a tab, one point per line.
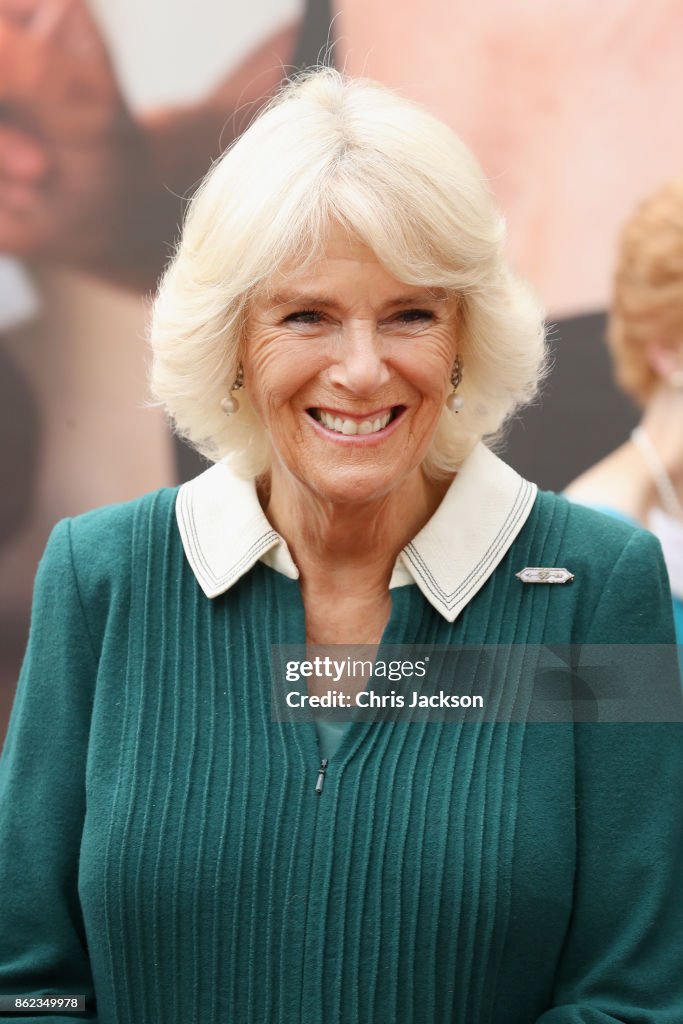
343	334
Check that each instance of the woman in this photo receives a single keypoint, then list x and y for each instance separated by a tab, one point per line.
338	330
642	481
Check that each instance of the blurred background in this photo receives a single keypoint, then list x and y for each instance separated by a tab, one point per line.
110	114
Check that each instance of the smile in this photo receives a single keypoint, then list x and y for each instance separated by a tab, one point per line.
348	426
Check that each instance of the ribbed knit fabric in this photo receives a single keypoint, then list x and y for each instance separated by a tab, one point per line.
162	846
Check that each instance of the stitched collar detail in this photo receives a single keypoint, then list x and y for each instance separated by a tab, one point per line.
225	532
482	512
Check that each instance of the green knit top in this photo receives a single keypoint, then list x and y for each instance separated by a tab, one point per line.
163	850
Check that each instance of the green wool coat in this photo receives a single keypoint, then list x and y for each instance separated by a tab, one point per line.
163	850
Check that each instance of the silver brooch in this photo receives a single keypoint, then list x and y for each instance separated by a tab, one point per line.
538	574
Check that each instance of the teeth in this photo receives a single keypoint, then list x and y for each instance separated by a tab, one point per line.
344	426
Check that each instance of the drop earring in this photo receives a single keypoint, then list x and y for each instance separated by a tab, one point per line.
455	402
230	405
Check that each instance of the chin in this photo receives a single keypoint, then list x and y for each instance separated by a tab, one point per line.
350	486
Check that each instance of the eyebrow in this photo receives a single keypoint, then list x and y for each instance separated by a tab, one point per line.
306	299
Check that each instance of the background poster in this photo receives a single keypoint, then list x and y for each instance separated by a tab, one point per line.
572	110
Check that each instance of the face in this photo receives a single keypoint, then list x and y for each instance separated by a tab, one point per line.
348	369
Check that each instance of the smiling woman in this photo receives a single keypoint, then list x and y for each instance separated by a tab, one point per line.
392	190
338	332
349	371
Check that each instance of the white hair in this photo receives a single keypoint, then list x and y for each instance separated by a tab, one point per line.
331	149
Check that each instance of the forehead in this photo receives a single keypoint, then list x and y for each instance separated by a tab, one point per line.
340	253
345	263
341	244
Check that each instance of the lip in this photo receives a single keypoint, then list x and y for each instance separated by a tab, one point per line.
357	439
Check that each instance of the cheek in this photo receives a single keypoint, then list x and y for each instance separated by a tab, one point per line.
261	356
429	373
276	370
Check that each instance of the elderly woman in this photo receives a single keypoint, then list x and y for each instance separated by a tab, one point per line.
642	481
337	331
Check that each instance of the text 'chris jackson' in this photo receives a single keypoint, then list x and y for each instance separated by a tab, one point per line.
368	699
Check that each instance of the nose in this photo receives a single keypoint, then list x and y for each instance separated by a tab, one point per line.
360	366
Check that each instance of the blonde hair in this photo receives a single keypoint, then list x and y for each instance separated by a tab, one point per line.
330	149
648	288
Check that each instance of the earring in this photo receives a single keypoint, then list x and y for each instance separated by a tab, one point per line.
455	402
230	405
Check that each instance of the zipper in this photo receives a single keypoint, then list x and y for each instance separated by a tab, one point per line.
321	776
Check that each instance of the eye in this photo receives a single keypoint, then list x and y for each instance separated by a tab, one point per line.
303	316
412	316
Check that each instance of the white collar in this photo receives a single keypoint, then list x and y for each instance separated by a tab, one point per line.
225	532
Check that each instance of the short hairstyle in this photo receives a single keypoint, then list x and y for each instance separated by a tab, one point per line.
330	148
647	301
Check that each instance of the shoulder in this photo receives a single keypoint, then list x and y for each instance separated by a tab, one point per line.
619	482
590	532
107	532
618	567
103	547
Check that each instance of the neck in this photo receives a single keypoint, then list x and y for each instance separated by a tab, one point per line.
335	543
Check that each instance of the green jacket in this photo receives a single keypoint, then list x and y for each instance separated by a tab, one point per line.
164	852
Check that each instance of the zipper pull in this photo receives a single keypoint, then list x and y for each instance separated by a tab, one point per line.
321	776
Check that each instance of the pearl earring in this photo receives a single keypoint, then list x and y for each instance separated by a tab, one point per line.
455	402
230	405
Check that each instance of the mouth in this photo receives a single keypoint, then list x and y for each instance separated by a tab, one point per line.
352	425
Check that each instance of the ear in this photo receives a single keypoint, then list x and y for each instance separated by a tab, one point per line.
666	359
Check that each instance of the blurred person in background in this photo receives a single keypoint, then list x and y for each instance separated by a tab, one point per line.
642	480
86	181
